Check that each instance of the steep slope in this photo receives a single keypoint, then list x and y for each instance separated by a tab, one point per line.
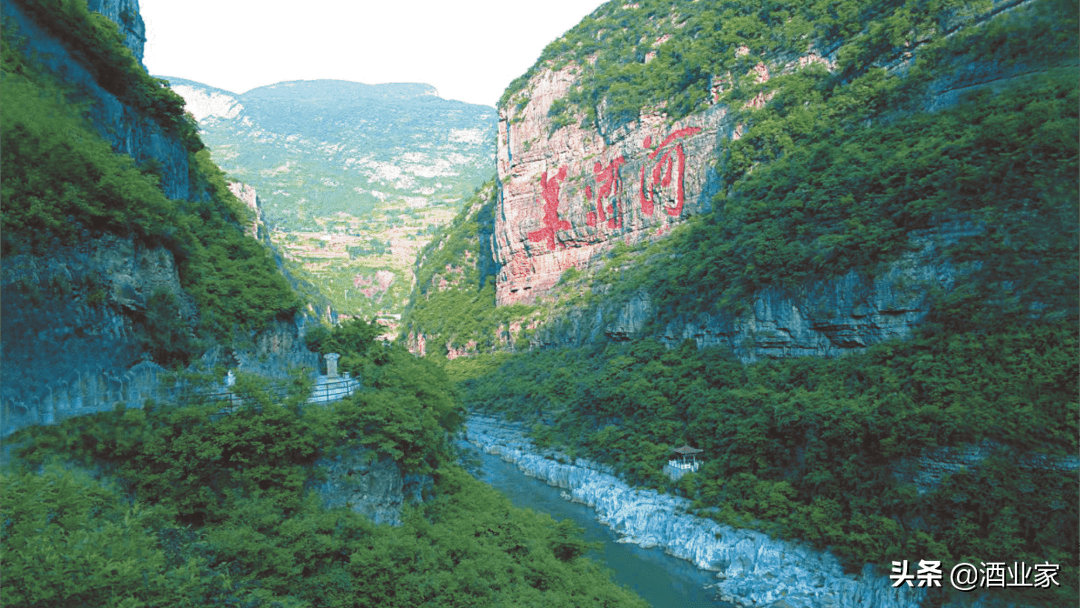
318	307
123	248
452	309
354	178
821	252
693	197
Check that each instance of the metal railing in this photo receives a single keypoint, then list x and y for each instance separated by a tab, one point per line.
320	393
327	392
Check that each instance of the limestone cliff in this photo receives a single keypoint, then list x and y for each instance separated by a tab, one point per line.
70	319
376	489
91	315
79	333
752	569
826	318
319	307
452	309
566	197
125	126
352	177
125	14
574	181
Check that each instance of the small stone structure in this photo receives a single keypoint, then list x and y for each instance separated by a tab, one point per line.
331	365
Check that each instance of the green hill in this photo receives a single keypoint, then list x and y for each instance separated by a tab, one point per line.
891	187
353	178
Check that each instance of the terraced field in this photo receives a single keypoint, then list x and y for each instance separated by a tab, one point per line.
353	179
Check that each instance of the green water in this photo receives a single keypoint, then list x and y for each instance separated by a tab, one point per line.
662	580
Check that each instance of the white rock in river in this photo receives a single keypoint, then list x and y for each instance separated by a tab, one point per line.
752	569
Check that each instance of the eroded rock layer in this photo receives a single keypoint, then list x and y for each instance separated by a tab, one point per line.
569	194
827	318
127	129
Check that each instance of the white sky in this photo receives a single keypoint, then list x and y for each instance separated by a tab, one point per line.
469	50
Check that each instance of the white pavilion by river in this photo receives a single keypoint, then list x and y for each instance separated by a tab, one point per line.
685	461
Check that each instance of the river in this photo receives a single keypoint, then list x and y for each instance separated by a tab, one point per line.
662	580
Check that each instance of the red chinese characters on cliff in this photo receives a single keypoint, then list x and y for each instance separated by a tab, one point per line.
552	223
607	179
669	165
668	169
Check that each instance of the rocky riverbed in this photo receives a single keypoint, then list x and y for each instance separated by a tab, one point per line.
751	568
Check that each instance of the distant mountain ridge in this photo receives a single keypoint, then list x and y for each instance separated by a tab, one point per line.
353	178
352	134
343	90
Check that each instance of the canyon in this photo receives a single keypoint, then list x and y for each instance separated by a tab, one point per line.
353	179
751	568
75	316
361	218
569	192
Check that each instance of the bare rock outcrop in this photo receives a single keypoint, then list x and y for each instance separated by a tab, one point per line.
72	314
126	15
376	489
827	318
752	569
567	195
127	129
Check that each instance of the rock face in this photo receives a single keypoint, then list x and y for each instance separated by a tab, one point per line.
126	15
72	343
207	103
249	197
927	471
569	195
126	129
752	569
70	315
824	318
374	489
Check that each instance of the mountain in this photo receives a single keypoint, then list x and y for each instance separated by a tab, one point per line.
124	250
609	145
834	247
354	178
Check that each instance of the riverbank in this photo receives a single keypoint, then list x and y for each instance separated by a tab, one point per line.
751	569
661	580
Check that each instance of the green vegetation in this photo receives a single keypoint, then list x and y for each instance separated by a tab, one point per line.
850	199
316	149
808	448
611	49
342	181
71	175
460	240
98	41
454	302
63	184
206	507
835	171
